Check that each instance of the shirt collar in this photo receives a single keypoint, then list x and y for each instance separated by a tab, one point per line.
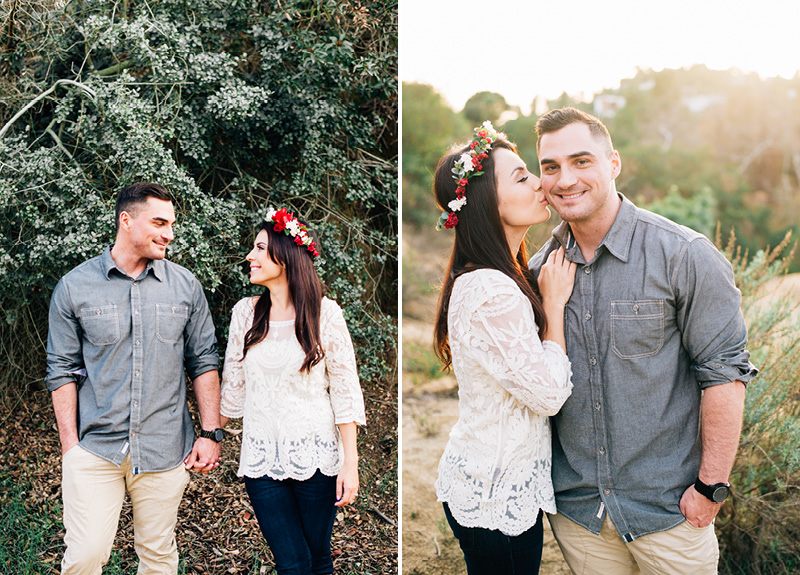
108	263
618	239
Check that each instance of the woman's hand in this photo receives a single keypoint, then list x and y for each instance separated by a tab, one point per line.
347	483
556	280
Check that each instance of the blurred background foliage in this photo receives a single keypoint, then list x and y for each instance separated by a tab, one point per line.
699	146
716	151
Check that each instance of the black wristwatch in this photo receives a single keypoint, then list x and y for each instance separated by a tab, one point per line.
717	493
216	435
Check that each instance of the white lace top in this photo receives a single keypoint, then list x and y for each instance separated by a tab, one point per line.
495	471
290	418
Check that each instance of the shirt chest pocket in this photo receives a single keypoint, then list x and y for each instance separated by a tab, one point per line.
171	319
637	328
100	324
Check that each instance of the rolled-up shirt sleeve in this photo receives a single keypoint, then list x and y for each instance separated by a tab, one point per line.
64	347
200	342
710	318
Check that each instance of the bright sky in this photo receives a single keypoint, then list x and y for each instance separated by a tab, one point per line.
521	48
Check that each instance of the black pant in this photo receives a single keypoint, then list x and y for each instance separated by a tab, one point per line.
490	552
296	519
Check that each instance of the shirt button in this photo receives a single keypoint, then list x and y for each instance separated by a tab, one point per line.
133	435
607	492
598	406
137	373
602	450
588	315
136	283
137	342
635	308
592	360
587	270
136	312
135	404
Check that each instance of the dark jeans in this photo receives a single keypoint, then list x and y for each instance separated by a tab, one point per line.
489	552
296	519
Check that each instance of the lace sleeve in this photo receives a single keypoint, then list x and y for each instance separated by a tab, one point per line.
233	389
504	334
347	400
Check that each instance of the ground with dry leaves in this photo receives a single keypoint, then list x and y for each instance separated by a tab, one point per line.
217	532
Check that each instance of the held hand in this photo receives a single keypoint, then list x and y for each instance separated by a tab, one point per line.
205	456
556	279
699	510
347	484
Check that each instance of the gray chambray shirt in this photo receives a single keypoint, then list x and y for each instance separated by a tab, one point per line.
126	342
653	319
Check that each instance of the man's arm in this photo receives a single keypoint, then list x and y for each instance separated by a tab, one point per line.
206	453
721	414
65	405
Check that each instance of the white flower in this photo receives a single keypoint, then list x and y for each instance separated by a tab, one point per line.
487	125
457	204
466	161
293	226
270	213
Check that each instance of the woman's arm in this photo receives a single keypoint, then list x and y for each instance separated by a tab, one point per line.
347	480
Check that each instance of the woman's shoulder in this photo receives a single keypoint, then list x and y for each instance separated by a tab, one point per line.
329	308
484	279
246	305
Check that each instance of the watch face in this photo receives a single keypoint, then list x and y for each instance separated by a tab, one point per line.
218	435
720	494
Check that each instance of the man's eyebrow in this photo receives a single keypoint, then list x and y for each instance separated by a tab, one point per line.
571	157
160	219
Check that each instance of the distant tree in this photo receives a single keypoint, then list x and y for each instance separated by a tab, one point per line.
430	127
485	106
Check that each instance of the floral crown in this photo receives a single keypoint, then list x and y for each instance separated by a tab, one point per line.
467	167
288	224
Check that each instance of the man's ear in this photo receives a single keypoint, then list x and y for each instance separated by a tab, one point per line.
125	221
616	165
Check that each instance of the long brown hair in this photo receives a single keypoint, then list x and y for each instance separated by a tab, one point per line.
306	291
480	242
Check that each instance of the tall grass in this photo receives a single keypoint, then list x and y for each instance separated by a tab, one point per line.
759	529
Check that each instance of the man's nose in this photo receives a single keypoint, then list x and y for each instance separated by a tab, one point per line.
566	178
169	233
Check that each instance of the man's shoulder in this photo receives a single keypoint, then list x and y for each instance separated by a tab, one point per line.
670	230
91	266
176	271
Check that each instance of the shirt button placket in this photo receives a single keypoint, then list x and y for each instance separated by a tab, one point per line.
138	362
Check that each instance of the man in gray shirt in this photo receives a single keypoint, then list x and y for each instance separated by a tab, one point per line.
643	448
125	327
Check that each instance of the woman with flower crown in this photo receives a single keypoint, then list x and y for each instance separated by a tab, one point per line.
290	373
503	335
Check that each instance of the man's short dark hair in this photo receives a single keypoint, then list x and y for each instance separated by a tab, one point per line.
132	197
554	120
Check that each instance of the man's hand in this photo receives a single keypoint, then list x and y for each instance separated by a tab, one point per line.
205	456
68	444
698	509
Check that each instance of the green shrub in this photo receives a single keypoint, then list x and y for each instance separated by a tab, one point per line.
234	106
759	529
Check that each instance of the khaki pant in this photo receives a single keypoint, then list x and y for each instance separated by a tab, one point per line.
682	550
93	491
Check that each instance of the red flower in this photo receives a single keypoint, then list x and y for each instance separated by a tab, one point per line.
472	145
281	218
298	240
462	182
452	220
482	133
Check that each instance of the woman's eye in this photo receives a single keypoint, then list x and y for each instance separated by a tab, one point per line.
523	179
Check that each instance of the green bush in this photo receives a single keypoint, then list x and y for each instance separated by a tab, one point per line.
234	106
759	529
